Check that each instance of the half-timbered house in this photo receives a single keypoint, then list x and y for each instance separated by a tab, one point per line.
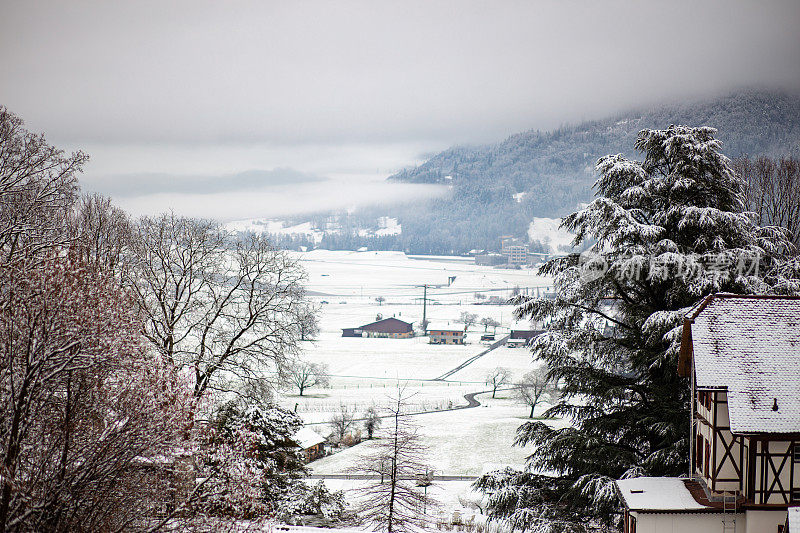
742	354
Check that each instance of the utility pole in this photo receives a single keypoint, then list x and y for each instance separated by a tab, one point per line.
424	303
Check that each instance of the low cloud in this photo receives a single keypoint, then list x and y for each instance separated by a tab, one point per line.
281	200
142	184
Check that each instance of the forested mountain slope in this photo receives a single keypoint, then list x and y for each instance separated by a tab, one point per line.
497	189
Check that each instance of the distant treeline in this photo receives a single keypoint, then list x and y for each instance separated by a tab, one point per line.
336	241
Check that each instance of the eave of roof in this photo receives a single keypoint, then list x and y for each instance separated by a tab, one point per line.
661	495
685	355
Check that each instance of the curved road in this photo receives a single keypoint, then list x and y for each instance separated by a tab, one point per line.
471	402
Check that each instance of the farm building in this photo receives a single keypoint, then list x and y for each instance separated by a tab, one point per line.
446	334
312	445
742	354
523	336
351	332
392	328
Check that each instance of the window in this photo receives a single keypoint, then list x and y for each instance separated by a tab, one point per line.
704	399
698	456
795	495
796	453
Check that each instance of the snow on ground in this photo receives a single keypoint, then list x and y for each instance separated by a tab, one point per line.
397	277
256	225
466	442
547	231
367	371
346	285
447	495
386	226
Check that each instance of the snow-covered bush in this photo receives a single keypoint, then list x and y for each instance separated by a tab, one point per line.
250	459
316	500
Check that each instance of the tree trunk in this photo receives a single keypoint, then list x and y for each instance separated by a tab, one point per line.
532	408
12	451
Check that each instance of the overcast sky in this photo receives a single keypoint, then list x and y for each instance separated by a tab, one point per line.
189	104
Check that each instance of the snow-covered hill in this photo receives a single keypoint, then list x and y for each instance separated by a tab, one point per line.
548	232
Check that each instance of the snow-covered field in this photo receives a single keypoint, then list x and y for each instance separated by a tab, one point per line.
367	371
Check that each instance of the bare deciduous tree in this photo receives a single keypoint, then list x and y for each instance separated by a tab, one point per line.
38	188
304	375
392	499
497	377
380	300
307	321
488	321
772	192
468	319
227	309
82	400
340	423
101	232
534	387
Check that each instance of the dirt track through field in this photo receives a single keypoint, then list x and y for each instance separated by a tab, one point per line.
472	359
470	397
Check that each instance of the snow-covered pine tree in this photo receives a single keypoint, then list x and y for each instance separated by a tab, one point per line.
664	233
251	458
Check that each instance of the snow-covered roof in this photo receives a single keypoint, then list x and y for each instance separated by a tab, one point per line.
751	347
444	326
307	437
658	494
389	325
794	520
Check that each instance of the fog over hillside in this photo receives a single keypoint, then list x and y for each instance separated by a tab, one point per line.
497	189
533	176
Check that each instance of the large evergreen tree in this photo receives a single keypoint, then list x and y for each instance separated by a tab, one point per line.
666	231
